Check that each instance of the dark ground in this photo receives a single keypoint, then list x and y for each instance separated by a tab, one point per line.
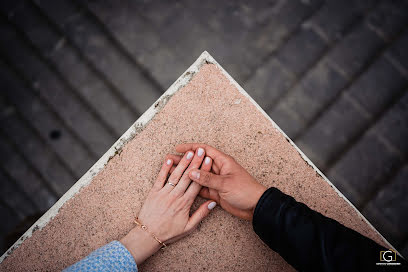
333	74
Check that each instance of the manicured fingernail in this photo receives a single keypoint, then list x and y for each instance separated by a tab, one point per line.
195	174
212	205
168	162
207	160
189	155
200	152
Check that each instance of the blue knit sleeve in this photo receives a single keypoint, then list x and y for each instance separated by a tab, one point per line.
111	257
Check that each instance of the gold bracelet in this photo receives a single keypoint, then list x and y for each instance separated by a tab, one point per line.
154	236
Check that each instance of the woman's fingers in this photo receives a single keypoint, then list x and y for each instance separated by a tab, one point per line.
184	182
176	158
194	187
179	170
162	176
210	151
199	215
172	169
219	157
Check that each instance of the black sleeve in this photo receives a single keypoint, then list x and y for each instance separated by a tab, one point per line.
310	241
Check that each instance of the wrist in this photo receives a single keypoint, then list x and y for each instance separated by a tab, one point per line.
260	190
140	244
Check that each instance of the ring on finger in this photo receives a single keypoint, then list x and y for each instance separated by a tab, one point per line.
172	184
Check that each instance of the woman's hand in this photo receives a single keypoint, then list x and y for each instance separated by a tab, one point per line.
167	207
229	184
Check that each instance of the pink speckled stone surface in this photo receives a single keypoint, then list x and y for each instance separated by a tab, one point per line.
202	111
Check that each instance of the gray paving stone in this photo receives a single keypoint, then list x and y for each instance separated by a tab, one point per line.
188	41
99	49
269	82
394	126
301	51
11	6
230	16
9	221
360	46
387	210
88	84
322	82
226	29
168	52
234	18
283	20
287	120
335	17
302	104
44	121
148	9
293	13
52	89
166	66
40	155
20	14
318	87
194	37
124	21
352	113
141	37
15	166
364	168
389	18
355	51
348	60
109	103
404	250
399	50
329	135
184	42
15	198
378	86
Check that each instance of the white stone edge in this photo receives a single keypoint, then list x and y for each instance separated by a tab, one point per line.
137	127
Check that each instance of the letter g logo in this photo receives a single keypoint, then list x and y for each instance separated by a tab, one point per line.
388	256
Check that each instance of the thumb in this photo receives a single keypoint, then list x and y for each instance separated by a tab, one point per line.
200	214
206	179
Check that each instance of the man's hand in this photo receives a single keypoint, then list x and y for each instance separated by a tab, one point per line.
229	184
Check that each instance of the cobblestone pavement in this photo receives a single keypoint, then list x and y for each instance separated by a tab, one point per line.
333	74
